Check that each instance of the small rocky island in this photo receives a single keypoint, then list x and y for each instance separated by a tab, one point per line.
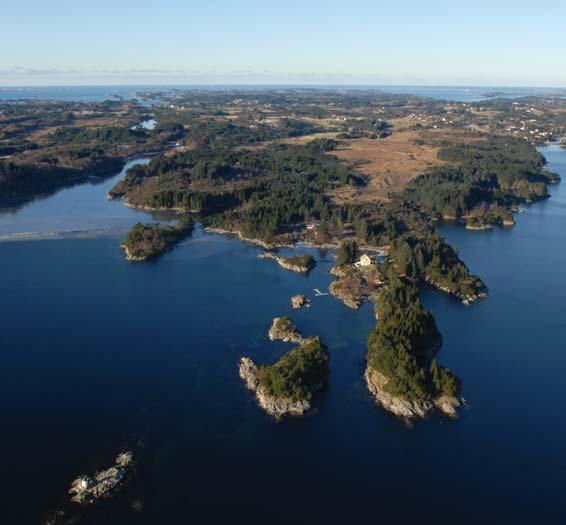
283	329
402	374
286	387
148	241
299	301
296	263
89	489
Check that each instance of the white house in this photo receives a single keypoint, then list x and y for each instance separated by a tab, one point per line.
365	260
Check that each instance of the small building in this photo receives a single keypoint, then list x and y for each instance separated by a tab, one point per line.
365	260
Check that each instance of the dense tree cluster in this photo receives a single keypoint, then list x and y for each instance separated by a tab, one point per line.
147	241
106	135
371	128
298	372
400	347
502	170
347	253
278	187
44	171
428	257
307	261
486	215
223	134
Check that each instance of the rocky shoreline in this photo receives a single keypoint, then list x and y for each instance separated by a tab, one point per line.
504	223
466	299
299	264
89	489
283	329
300	301
242	237
482	227
130	256
149	241
355	285
404	408
277	407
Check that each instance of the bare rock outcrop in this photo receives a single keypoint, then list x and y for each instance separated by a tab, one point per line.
355	284
283	329
299	301
405	408
89	489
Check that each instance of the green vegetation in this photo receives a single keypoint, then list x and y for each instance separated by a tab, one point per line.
501	170
45	171
284	324
298	373
49	144
107	135
347	253
260	193
306	262
147	241
222	134
429	258
371	128
444	382
485	216
284	329
400	347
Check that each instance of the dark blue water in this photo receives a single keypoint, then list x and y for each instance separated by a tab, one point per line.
101	93
99	355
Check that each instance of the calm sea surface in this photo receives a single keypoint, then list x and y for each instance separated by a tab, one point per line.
99	355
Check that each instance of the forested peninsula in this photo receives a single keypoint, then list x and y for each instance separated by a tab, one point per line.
402	373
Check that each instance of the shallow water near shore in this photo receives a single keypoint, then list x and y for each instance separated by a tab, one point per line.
99	355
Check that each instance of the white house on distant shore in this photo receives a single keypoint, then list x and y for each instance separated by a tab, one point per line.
365	260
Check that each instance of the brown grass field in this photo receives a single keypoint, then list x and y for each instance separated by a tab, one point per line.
388	163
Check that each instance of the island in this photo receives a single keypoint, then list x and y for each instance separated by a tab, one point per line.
286	388
90	489
283	329
299	301
148	241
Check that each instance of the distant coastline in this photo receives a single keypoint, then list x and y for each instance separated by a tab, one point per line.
99	93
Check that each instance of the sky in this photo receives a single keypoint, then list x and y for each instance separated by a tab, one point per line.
413	42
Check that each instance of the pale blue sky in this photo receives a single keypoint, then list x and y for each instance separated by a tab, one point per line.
496	42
